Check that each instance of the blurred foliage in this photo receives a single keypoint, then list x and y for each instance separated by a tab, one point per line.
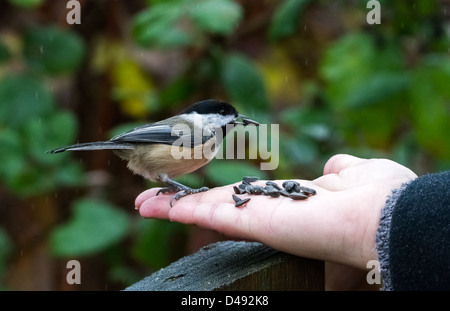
30	121
332	82
94	226
286	17
5	253
52	50
26	3
161	26
243	82
151	244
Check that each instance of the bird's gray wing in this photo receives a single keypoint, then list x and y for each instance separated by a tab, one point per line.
159	133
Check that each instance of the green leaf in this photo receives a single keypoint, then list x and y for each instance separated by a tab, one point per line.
4	53
53	50
378	87
5	250
244	83
315	123
354	64
28	4
157	26
430	105
43	134
361	74
69	174
13	155
155	241
15	171
286	18
94	226
27	169
30	180
21	99
216	16
178	91
300	150
224	172
26	179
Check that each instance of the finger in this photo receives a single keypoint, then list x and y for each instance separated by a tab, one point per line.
331	182
216	210
155	206
152	206
207	209
339	162
144	196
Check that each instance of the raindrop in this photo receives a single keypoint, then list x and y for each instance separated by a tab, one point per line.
41	49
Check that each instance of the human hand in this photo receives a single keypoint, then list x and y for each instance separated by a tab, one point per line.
338	224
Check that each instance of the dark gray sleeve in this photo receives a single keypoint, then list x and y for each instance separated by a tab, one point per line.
413	239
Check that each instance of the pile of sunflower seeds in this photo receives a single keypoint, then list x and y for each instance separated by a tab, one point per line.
290	189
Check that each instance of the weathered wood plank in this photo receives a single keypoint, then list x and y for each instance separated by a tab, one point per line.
236	266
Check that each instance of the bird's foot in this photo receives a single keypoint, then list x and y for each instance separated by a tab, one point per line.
179	189
182	193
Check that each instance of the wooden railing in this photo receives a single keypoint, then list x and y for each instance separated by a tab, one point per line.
240	266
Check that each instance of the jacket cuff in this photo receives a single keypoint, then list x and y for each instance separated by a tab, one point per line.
383	236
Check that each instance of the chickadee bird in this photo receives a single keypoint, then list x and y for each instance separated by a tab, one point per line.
150	149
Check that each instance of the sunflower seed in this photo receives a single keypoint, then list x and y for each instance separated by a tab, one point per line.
256	189
307	190
238	190
291	186
242	202
248	188
273	184
271	191
249	179
248	121
236	199
284	193
298	196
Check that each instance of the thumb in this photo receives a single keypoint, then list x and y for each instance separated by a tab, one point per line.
339	162
333	178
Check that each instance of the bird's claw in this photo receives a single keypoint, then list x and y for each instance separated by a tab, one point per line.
180	192
165	190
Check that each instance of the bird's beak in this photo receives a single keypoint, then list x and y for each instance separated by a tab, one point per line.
245	120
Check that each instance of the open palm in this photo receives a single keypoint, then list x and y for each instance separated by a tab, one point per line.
338	224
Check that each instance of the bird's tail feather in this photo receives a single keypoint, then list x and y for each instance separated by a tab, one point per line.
98	145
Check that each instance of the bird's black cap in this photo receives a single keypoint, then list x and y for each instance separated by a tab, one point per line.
211	106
